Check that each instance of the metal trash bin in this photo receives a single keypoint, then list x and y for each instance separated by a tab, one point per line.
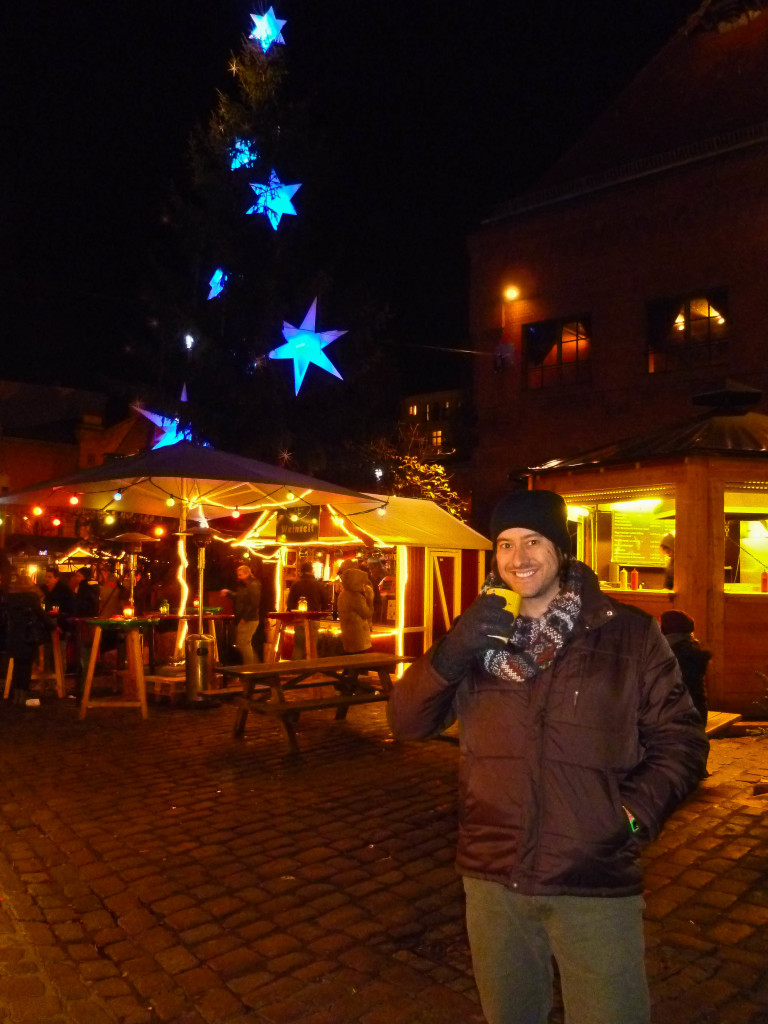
199	664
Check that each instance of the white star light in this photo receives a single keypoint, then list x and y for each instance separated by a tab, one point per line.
267	29
304	346
274	199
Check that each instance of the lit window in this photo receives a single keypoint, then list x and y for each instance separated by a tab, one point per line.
687	332
413	410
557	352
436	437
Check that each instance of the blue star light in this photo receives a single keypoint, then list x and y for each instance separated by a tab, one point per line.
274	199
304	346
170	432
243	154
267	29
217	283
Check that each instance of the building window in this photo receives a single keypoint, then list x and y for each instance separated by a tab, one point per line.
684	333
436	438
557	352
413	410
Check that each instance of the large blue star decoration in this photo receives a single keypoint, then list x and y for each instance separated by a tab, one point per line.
304	346
267	29
242	154
274	199
217	283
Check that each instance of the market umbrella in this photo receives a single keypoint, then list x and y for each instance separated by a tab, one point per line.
184	480
202	482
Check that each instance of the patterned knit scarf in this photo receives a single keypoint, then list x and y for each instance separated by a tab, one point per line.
534	643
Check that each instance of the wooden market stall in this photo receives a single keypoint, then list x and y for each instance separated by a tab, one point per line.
428	565
705	482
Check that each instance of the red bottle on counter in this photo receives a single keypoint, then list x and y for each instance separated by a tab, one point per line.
764	582
634	580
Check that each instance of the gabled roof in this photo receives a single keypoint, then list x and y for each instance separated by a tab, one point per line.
415	521
705	93
732	433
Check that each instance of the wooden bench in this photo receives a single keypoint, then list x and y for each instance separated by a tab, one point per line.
279	678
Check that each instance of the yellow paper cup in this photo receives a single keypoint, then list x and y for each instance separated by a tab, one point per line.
511	599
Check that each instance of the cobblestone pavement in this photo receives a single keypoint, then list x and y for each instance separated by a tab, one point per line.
162	871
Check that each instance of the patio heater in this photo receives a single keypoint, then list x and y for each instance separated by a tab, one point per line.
132	543
199	647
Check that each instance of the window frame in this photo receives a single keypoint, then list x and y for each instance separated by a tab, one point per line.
665	354
559	371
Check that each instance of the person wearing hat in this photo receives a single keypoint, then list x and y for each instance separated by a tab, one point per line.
577	740
693	660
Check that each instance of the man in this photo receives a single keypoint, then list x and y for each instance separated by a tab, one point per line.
311	590
246	599
578	739
667	548
56	594
86	594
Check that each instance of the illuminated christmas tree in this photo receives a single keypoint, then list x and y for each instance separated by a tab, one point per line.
236	273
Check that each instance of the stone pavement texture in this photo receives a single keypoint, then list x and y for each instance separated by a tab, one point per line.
161	871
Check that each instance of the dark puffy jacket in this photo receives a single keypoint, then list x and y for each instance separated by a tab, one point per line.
246	600
548	766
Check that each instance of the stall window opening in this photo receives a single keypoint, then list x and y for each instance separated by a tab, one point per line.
688	332
557	352
746	540
626	533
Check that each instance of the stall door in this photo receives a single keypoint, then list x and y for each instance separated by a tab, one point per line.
443	592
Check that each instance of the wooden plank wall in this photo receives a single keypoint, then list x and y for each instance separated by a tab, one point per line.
745	651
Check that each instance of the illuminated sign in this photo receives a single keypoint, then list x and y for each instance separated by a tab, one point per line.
299	524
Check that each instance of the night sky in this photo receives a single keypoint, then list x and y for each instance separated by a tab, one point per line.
436	110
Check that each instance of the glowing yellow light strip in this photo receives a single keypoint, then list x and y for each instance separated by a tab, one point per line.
441	594
181	632
279	580
338	520
402	580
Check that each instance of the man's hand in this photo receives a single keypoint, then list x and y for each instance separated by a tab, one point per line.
478	629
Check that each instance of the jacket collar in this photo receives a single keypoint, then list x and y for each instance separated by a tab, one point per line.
596	607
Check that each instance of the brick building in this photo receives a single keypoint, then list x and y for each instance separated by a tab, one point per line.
637	262
48	431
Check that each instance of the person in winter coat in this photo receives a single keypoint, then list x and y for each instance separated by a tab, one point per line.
309	589
577	739
355	611
692	658
26	628
246	599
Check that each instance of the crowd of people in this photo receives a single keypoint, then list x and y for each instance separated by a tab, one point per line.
32	607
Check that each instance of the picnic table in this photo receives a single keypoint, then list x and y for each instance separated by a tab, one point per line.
281	678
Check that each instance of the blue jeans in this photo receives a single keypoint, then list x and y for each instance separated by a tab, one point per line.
597	942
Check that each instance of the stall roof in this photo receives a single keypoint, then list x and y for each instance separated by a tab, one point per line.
732	433
415	521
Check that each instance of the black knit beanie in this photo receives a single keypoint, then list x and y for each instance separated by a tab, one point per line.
675	621
542	511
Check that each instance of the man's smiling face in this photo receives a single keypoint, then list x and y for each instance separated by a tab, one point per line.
529	564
